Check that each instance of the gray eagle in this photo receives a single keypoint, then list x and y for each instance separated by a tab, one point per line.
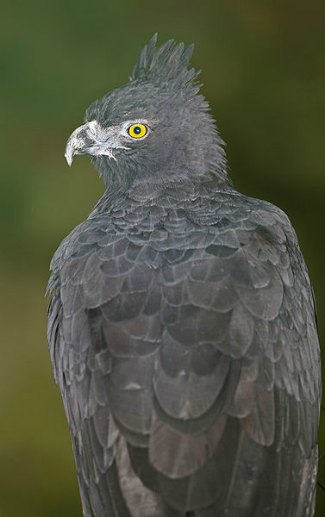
182	327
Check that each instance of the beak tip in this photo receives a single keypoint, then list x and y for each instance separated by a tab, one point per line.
69	158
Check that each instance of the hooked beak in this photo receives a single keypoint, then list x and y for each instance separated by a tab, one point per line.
90	138
76	143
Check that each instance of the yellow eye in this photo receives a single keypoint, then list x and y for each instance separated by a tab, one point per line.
137	130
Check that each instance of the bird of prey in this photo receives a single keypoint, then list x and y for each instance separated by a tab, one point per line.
182	327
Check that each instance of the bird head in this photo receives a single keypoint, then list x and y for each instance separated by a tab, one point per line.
155	129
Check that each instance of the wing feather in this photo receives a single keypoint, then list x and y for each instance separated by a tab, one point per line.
188	362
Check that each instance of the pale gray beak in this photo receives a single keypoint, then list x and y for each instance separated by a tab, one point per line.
76	143
91	138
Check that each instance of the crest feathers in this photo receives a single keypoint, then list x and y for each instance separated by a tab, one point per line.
166	64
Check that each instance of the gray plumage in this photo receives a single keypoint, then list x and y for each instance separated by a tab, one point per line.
182	325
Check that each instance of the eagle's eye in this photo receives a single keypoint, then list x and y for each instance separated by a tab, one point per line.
137	130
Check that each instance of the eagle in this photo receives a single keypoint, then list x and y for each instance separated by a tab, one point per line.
182	328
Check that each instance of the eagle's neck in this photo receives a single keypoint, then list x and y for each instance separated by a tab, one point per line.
172	194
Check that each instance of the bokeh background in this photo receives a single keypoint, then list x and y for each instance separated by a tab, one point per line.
263	68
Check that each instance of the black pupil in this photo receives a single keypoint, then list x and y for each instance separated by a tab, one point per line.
137	130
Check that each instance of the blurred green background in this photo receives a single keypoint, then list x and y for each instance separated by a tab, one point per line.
263	68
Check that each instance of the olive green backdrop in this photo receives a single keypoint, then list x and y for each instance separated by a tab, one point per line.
264	73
